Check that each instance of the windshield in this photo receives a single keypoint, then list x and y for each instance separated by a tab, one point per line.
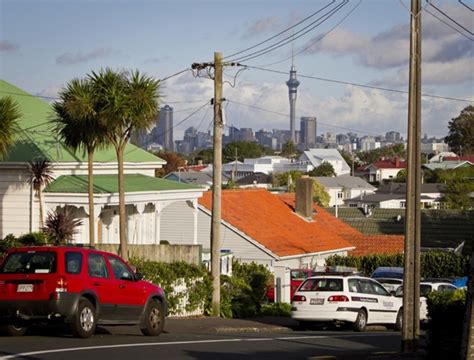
30	262
325	284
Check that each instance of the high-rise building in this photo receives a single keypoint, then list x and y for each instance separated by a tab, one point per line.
392	136
292	84
164	129
308	130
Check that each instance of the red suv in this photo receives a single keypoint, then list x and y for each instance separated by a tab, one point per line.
81	286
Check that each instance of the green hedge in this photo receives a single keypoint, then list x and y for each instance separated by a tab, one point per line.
30	239
446	311
433	263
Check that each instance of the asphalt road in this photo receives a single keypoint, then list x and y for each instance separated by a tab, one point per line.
127	343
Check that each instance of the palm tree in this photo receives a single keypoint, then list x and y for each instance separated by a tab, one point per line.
60	226
9	114
126	101
78	127
41	175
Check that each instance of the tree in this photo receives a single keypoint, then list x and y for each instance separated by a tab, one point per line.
457	193
287	179
173	162
325	169
41	174
78	126
461	132
288	149
126	101
401	176
244	150
60	226
9	114
320	195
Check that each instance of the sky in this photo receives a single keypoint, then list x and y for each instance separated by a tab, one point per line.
46	43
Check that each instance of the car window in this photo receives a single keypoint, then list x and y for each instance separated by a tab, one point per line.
30	262
446	288
73	261
379	289
96	266
366	287
425	289
354	285
326	284
120	269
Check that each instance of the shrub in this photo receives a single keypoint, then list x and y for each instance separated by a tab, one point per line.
33	239
433	263
446	312
276	309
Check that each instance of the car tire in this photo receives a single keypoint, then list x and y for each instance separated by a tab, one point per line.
399	322
361	321
84	322
154	319
14	330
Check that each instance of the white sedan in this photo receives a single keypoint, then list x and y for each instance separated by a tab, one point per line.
346	298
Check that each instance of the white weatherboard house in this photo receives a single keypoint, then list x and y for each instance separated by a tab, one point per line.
316	157
341	188
147	197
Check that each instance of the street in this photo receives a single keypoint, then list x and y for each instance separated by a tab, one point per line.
127	343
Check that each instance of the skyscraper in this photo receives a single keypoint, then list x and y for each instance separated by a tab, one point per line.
164	129
308	129
292	84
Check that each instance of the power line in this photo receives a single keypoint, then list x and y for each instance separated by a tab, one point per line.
356	84
448	24
449	17
173	75
321	37
280	33
291	38
319	122
470	8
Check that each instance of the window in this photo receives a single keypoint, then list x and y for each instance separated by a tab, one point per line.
120	269
340	195
354	285
425	290
403	204
30	262
322	285
379	290
96	266
446	288
73	262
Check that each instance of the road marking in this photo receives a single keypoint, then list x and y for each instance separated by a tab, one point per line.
101	347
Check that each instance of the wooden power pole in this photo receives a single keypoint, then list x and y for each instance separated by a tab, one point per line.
411	278
216	187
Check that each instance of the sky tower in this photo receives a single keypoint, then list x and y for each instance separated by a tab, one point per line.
292	84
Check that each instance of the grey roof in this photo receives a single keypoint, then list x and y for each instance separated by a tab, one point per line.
447	165
190	177
378	197
255	178
318	156
350	182
401	188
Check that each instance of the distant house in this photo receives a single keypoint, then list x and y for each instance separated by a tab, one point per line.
315	157
381	170
255	180
393	196
146	197
203	179
448	165
341	188
441	156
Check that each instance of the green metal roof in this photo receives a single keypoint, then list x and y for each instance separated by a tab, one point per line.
108	184
36	138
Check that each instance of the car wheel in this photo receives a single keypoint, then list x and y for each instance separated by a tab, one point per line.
399	322
361	321
154	320
84	322
14	330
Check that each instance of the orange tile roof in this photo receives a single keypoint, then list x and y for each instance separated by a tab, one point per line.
271	221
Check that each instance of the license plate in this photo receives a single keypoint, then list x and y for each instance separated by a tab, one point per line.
316	301
24	288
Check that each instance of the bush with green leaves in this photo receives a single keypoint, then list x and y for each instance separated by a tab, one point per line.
30	239
434	264
446	312
276	309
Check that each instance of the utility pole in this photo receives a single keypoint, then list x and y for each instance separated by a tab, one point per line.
411	278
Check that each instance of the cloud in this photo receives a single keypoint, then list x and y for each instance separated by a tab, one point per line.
49	93
271	23
6	46
68	58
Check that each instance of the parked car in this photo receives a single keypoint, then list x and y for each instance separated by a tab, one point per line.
390	277
425	288
346	298
82	287
297	276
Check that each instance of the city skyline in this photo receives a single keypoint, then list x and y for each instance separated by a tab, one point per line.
362	42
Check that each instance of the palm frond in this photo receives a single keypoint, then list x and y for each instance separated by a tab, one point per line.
61	226
41	174
9	114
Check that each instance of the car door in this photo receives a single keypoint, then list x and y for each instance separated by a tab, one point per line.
130	294
387	308
370	300
99	281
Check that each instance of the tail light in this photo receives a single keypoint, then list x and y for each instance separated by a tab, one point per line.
61	284
299	298
338	298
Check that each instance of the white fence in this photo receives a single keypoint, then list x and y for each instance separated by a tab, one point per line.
181	291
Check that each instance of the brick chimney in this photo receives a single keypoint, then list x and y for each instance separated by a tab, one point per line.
397	161
304	197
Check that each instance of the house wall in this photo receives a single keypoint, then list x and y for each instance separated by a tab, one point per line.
388	173
16	207
176	223
305	262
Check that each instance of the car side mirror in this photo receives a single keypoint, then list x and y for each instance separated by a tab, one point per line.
393	292
138	276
